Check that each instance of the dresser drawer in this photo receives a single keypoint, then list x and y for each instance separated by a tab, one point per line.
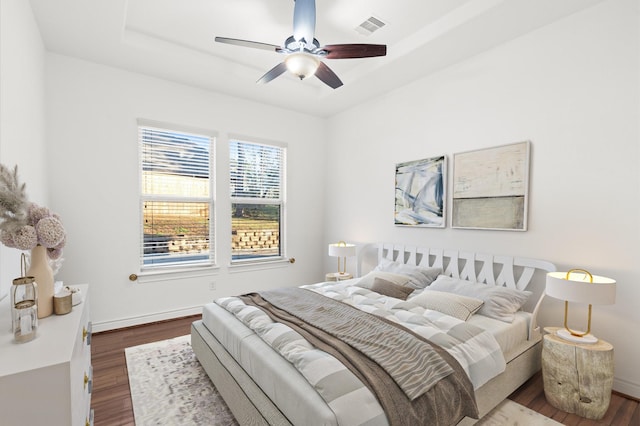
81	371
54	369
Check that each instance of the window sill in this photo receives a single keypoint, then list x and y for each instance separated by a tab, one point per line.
257	265
175	273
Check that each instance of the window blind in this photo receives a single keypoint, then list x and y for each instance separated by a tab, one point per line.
256	170
176	197
257	200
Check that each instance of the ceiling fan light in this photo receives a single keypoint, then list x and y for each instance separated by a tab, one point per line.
301	64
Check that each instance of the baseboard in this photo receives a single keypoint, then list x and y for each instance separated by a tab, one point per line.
145	319
627	389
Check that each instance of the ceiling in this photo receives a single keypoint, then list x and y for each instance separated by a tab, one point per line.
174	40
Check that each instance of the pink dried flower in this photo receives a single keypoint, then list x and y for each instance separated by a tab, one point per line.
50	232
6	238
25	238
23	224
62	243
54	253
37	213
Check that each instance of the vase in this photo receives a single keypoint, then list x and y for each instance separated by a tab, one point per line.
40	269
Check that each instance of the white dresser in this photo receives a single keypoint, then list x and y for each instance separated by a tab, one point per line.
48	380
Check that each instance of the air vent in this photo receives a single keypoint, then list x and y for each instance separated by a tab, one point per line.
371	25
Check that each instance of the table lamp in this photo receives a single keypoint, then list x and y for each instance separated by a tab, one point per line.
579	286
342	250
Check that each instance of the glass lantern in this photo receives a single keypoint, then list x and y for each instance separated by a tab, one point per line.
24	309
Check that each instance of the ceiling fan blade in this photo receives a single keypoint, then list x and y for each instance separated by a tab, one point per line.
345	51
273	73
327	76
304	20
247	43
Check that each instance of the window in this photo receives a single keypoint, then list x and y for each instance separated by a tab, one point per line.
176	198
257	200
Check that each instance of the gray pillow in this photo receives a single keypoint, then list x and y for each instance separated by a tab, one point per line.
500	302
419	276
390	289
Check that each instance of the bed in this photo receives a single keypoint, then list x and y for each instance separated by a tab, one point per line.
264	384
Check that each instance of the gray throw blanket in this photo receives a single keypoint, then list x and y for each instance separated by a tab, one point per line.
369	347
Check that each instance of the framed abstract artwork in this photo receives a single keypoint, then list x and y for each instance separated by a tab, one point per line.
420	192
490	188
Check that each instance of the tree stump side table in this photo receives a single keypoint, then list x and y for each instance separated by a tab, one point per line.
577	377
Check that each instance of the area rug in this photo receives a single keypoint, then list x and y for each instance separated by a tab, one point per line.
510	413
169	387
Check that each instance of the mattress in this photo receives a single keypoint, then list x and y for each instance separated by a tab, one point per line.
277	378
284	384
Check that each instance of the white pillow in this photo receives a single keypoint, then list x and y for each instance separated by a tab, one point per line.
500	302
461	307
420	277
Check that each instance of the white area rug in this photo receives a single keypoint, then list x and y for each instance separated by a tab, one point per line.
169	387
509	413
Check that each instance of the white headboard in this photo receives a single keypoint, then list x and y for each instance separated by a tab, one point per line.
508	271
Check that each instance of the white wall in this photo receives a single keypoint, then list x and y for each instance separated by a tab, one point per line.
92	135
570	88
22	132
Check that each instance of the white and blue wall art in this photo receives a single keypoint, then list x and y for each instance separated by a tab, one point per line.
421	192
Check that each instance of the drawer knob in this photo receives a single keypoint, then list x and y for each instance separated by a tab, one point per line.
86	380
86	333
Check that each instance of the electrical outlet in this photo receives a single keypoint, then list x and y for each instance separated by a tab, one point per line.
212	285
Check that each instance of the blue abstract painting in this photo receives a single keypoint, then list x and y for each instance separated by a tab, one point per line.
421	192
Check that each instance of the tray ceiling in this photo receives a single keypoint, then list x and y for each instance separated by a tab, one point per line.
173	40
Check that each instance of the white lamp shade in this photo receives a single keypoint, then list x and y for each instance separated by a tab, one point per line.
342	250
302	64
579	289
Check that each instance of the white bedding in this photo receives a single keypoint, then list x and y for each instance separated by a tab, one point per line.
480	356
510	336
240	340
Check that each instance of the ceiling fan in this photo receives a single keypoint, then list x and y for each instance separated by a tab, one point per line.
303	51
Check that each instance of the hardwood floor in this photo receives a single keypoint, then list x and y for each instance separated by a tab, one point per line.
111	399
622	411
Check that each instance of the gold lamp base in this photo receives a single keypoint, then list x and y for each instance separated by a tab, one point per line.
577	336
